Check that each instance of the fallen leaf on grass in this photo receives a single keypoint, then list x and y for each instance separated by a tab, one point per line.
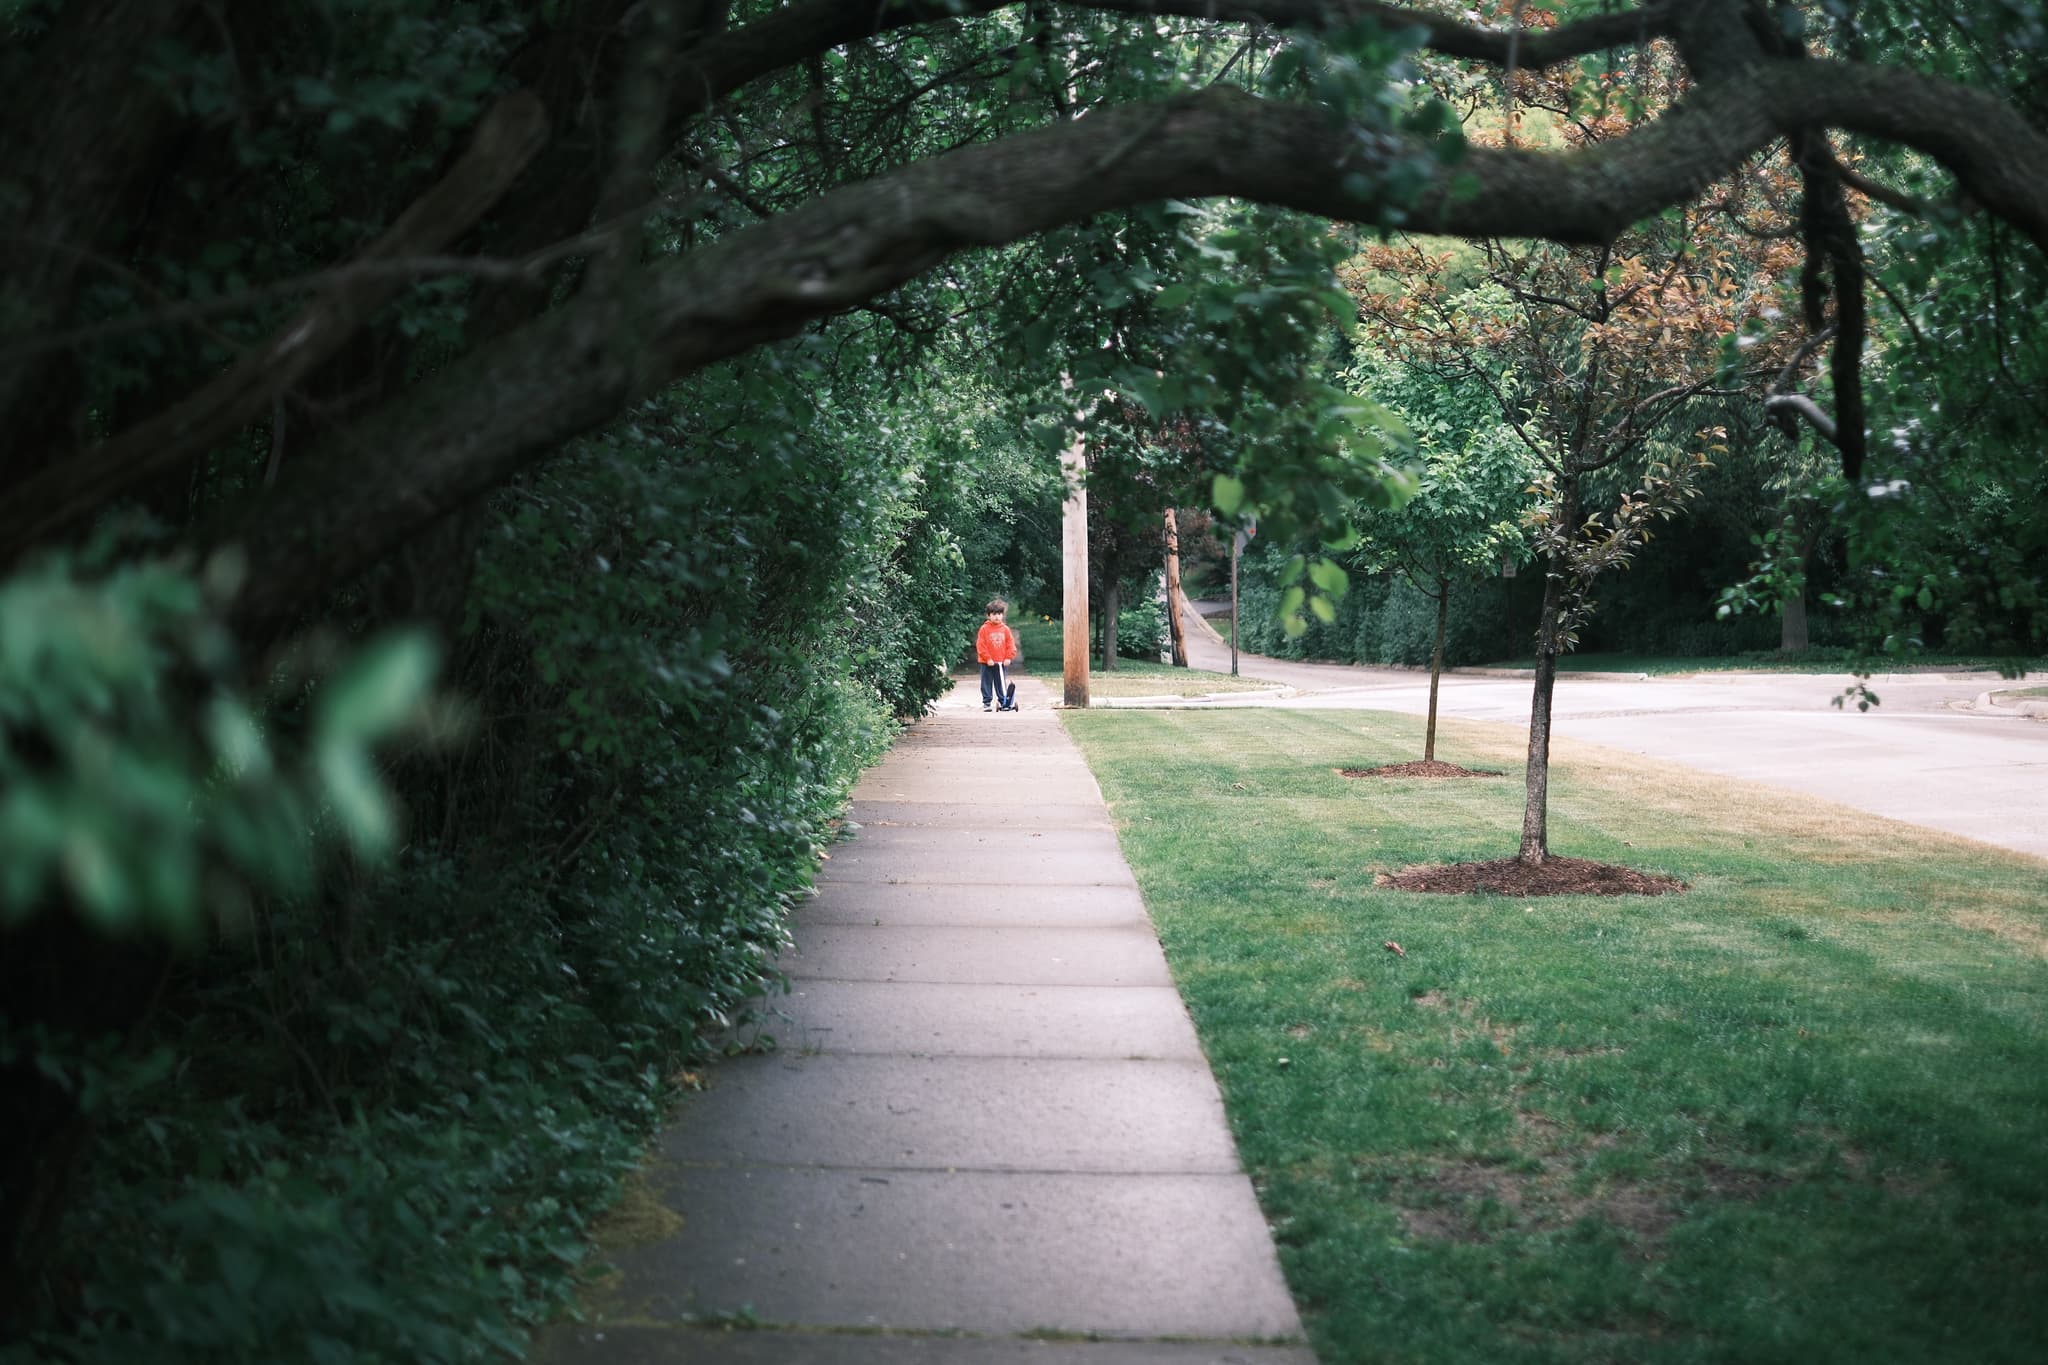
1396	949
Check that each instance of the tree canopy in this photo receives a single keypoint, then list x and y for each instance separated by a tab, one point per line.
610	197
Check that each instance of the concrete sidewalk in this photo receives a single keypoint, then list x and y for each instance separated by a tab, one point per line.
987	1133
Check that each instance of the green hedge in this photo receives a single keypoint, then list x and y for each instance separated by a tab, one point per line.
374	1122
1386	620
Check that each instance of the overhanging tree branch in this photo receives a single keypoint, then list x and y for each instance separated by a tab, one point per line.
509	403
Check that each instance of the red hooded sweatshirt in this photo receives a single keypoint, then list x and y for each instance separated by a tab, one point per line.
995	643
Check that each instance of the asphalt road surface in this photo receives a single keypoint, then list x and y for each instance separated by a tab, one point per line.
1925	755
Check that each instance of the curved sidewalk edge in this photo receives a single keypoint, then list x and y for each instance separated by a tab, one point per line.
2004	704
986	1132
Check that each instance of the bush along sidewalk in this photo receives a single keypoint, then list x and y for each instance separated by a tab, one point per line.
367	1096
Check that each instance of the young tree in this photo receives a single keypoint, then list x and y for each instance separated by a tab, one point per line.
1464	521
1591	356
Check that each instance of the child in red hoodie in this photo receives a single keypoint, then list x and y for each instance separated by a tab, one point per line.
995	645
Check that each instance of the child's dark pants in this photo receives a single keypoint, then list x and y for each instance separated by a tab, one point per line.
991	683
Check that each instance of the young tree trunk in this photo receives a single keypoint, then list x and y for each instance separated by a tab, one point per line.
1436	667
1173	593
1236	545
1111	603
1535	805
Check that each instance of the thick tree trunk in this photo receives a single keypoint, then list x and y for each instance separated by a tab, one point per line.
1436	667
1792	635
1174	625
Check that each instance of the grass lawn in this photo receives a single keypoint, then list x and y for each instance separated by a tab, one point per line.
1763	661
1145	677
1798	1113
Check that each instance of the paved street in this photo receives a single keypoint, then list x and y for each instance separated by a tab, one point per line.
1923	755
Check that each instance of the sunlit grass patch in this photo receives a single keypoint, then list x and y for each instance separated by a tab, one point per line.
1794	1113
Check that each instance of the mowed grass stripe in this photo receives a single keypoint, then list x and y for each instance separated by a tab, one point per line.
1799	1112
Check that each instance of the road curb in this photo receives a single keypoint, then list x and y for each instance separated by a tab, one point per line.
1988	704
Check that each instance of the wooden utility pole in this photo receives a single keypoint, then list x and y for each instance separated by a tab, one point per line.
1074	553
1173	621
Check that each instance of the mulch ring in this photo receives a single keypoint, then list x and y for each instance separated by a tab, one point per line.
1512	877
1433	768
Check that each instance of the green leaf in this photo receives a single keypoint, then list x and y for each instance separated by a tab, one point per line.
1172	297
377	690
1328	575
236	739
357	798
1228	494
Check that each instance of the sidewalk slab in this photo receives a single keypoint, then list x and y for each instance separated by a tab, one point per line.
1125	955
938	1113
884	905
1041	816
966	856
922	1019
969	1250
1025	792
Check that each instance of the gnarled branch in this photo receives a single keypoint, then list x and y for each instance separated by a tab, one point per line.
507	404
